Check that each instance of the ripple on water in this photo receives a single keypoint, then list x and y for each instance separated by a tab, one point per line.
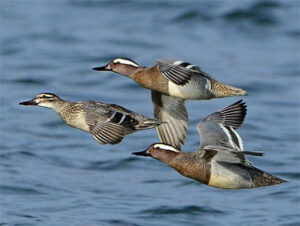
22	154
191	16
118	222
111	165
190	209
133	43
259	13
103	58
19	190
153	181
27	81
291	175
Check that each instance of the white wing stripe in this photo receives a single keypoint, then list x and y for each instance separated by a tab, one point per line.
227	134
177	62
112	116
122	119
240	142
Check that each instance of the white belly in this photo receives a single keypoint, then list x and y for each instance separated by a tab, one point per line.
195	89
221	177
78	122
80	125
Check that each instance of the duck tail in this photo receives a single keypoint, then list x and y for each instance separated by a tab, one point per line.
261	178
222	90
148	124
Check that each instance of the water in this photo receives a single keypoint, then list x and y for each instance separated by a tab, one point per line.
52	174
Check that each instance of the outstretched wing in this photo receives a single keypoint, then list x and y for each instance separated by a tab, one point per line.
218	129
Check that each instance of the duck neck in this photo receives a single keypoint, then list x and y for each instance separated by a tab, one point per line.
59	105
166	156
128	70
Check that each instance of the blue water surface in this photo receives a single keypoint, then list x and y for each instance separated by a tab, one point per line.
52	174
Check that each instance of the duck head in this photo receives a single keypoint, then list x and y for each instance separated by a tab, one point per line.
123	66
162	152
48	100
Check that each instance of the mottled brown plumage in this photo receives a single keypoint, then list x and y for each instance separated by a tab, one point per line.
108	123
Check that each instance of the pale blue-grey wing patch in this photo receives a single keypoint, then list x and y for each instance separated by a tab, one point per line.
216	134
172	111
219	127
233	157
212	133
107	132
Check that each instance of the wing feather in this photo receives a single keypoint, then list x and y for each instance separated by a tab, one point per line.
108	132
171	110
219	127
179	72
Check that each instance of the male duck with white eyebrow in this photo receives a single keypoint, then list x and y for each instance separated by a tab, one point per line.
220	161
172	82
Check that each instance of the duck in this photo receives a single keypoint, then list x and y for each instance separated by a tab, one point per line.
220	161
172	82
108	123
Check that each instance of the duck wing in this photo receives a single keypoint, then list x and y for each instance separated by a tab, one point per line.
212	154
179	72
108	125
108	133
219	128
172	111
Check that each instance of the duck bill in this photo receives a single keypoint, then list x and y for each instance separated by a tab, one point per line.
103	68
30	102
142	153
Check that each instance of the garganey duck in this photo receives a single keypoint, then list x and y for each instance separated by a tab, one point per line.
108	123
220	161
172	82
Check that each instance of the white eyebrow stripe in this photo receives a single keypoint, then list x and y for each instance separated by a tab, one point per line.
166	147
124	61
